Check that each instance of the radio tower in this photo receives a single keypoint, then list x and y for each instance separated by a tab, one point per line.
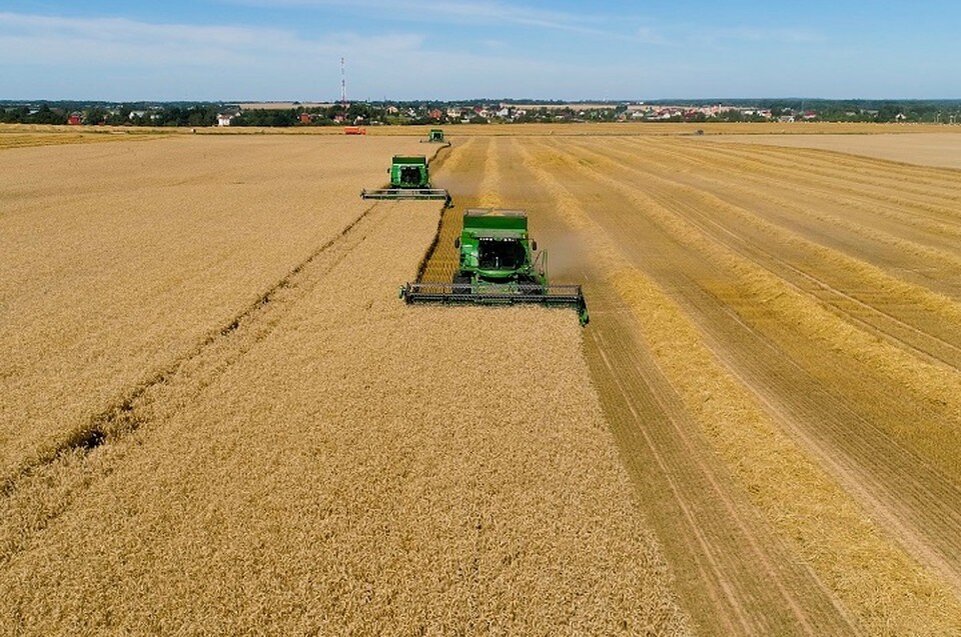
343	84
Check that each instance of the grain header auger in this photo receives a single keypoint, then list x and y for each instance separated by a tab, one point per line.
409	179
499	265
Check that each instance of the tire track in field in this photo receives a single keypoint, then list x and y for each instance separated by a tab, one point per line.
930	395
934	184
865	166
942	212
920	505
741	565
931	229
932	318
895	219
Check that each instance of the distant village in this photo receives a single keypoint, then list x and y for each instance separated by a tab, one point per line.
471	112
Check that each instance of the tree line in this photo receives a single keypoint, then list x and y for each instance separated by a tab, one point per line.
185	114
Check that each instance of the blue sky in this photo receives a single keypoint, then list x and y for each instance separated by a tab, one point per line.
290	49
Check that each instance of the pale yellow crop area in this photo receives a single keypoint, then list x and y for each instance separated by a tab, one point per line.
330	460
929	149
120	259
217	416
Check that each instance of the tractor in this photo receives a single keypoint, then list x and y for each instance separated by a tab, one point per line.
499	265
409	179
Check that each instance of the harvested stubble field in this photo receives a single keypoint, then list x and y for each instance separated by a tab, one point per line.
775	338
329	461
939	149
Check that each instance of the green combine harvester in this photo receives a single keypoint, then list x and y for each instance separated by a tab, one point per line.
499	265
436	136
409	179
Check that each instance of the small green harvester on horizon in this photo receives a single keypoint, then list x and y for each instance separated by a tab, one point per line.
499	265
409	179
436	136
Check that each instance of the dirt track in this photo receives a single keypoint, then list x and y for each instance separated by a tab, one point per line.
775	338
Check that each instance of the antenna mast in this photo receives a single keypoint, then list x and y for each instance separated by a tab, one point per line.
343	84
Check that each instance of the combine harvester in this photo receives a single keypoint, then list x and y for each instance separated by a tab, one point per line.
498	266
435	136
409	179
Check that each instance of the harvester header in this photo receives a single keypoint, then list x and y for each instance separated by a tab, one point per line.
499	265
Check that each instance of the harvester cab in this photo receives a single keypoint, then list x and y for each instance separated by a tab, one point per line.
498	265
409	179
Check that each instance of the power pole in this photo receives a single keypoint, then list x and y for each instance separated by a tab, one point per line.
343	84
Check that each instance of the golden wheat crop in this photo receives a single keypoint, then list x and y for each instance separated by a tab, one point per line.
217	417
345	464
120	259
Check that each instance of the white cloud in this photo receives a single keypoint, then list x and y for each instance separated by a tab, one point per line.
760	34
117	58
469	12
37	39
122	59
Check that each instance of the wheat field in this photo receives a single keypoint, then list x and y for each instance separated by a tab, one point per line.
120	259
217	416
329	464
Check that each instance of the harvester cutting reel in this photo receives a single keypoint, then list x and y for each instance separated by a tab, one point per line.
400	194
498	294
